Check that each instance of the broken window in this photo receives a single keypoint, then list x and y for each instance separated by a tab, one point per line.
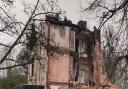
62	32
76	45
72	40
32	67
81	76
82	46
32	71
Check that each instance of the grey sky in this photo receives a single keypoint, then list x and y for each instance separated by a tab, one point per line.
72	8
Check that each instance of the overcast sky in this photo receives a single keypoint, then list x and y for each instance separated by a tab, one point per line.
73	10
71	7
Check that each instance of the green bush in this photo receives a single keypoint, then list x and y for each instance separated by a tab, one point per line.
12	79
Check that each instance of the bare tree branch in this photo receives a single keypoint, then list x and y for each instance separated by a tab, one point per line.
19	35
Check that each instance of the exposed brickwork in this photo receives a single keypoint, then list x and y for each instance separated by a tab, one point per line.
76	62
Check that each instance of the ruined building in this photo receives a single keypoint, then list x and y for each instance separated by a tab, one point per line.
76	62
